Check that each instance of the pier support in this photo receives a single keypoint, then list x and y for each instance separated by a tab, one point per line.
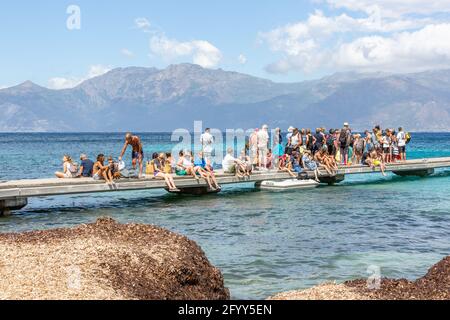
195	191
8	205
330	180
417	173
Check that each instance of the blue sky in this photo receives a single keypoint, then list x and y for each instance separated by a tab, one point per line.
283	40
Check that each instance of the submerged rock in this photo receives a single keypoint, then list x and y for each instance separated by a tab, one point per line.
106	260
435	285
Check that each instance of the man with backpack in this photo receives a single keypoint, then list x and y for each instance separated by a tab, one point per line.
331	141
345	140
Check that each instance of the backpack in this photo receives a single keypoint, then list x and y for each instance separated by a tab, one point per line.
343	138
125	173
359	147
73	168
330	141
408	137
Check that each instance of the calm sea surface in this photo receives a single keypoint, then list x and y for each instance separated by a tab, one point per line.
263	242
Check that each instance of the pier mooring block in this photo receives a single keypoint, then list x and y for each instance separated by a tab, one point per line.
8	205
330	180
196	191
417	173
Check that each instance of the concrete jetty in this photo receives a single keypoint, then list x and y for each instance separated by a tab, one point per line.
14	194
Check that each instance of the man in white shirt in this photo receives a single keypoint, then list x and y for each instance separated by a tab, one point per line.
253	146
401	138
207	140
263	145
229	162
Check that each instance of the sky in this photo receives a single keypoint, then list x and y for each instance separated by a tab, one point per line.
58	44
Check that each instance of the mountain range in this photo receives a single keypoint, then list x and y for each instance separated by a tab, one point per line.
150	100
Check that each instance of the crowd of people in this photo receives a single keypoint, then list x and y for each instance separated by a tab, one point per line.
299	150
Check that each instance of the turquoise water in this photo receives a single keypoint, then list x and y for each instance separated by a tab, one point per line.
263	242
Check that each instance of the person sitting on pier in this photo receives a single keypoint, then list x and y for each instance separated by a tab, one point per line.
70	169
102	171
206	171
310	164
294	164
185	166
247	163
321	157
158	172
285	165
169	164
232	165
332	162
86	167
137	154
113	168
375	159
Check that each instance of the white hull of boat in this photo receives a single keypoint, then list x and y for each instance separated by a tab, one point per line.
290	184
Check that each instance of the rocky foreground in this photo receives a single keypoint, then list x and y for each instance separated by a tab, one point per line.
435	285
106	260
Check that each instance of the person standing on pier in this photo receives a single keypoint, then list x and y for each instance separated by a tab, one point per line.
137	154
207	140
263	146
401	138
345	140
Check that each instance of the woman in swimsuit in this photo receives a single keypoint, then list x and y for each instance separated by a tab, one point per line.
321	157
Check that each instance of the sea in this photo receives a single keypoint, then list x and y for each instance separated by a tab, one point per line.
263	242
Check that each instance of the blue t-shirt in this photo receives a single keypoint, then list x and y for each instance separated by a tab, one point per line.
88	166
200	162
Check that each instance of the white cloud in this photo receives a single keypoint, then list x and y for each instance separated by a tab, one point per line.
374	39
242	59
425	49
127	53
58	83
201	52
394	8
142	23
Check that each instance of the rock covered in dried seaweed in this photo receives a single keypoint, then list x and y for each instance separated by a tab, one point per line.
435	285
106	260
